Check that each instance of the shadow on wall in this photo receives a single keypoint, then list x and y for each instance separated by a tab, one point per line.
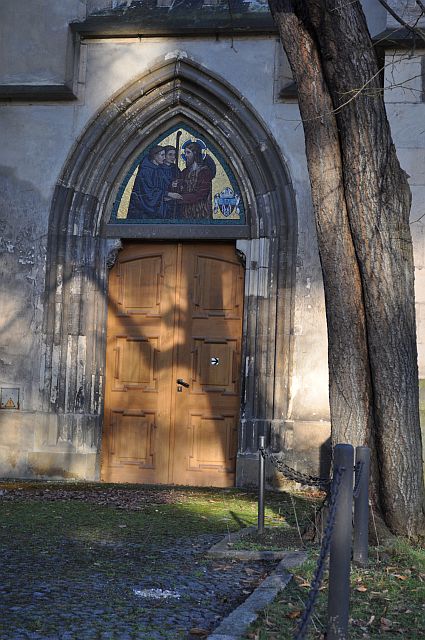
308	456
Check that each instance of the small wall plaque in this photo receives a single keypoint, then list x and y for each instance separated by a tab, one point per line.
9	398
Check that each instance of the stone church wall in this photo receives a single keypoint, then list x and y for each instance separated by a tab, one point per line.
406	113
52	85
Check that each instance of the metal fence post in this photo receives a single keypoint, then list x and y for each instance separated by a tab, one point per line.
261	483
340	548
361	506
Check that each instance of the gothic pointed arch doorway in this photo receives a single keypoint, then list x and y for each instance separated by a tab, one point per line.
84	241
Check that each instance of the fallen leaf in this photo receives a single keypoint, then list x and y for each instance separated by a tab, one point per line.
371	619
299	578
361	588
385	623
302	583
400	577
293	614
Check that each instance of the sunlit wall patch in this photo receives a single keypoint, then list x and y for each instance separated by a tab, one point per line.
180	178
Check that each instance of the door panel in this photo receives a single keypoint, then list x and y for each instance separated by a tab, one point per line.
135	363
140	285
139	360
215	366
213	443
216	287
208	357
175	312
132	439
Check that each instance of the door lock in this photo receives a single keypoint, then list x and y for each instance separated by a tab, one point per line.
183	383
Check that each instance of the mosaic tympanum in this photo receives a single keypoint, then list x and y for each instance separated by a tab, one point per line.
180	178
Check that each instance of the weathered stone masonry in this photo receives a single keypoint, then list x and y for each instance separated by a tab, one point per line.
76	102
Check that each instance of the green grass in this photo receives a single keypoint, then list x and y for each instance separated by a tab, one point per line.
387	599
277	535
52	510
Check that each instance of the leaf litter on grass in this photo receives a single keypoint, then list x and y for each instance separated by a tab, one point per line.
387	599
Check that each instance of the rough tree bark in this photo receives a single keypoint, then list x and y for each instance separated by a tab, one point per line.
361	202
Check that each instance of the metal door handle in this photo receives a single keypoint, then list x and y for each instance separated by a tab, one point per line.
183	383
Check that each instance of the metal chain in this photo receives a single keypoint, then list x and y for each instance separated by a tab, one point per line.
324	550
358	469
293	474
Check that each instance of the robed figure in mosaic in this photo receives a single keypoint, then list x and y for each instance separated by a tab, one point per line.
152	193
195	184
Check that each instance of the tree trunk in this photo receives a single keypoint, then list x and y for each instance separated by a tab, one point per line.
361	201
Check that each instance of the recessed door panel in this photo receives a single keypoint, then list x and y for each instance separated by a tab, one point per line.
175	314
213	443
140	283
132	438
216	287
136	362
216	365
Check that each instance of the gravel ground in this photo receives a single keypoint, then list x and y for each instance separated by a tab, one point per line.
183	592
68	589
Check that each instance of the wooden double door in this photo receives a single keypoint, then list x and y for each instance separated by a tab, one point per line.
172	392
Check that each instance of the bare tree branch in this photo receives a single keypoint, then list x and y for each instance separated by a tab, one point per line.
421	5
415	32
418	219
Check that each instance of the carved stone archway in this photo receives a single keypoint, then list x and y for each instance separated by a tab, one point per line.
79	249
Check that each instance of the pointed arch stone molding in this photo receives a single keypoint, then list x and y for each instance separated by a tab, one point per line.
79	249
